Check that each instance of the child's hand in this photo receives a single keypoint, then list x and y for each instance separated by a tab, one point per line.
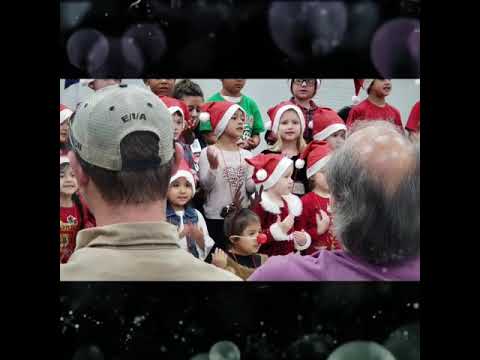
299	237
219	258
196	233
323	222
286	224
212	156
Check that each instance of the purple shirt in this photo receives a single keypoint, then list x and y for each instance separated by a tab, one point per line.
339	265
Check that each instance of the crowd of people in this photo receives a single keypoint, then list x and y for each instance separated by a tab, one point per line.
158	183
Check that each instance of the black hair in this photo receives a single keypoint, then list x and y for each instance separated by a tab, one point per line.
236	222
343	113
187	87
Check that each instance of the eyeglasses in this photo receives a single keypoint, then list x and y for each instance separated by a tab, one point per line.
309	82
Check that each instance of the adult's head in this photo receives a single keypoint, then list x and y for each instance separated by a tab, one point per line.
123	152
161	87
304	89
192	95
374	180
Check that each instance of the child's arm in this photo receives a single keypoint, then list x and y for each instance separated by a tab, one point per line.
207	175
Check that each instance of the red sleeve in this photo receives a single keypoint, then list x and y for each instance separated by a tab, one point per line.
398	119
352	116
414	118
265	224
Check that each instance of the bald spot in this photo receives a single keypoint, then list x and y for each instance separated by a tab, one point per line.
386	154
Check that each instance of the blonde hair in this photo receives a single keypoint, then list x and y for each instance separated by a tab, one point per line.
301	143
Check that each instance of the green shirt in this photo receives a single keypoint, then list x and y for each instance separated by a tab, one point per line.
254	125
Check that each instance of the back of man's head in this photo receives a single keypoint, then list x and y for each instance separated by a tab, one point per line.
123	139
374	180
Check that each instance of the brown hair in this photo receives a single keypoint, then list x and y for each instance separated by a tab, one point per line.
132	186
236	222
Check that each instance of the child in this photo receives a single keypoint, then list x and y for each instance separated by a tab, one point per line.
223	170
160	87
231	91
242	229
287	124
328	126
315	218
413	123
65	114
278	207
375	107
180	119
74	214
193	232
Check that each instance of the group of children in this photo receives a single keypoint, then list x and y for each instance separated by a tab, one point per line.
232	208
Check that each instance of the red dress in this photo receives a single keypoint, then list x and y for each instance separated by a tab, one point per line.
277	241
367	110
312	203
413	123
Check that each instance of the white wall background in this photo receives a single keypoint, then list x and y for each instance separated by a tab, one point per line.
333	93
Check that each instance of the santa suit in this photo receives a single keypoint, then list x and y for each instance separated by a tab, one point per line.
278	242
312	203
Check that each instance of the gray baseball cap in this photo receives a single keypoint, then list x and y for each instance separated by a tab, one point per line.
102	121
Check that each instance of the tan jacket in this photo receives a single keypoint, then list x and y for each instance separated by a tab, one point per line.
136	252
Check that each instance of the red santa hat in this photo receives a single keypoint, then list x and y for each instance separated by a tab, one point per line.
219	114
276	112
268	168
65	113
325	123
317	154
175	105
184	171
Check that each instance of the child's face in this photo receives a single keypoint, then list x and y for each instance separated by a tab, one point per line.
236	125
68	183
193	103
320	181
234	86
161	87
247	244
290	127
336	139
180	192
303	90
64	132
178	125
284	186
381	88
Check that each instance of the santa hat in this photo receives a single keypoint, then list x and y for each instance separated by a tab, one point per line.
276	112
317	154
65	113
268	168
325	123
219	114
184	171
64	160
175	105
361	84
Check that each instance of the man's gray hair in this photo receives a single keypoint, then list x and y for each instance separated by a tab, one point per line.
374	180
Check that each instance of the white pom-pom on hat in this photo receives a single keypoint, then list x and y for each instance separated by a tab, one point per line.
204	116
310	124
355	100
261	174
299	163
267	125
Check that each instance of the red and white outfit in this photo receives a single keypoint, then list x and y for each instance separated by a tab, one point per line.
317	154
413	123
269	168
366	110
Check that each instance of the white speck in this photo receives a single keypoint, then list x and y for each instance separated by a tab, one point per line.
408	305
106	14
77	326
384	270
163	349
70	312
84	316
183	339
61	318
98	322
374	317
416	305
323	12
299	317
405	333
261	323
180	322
175	336
263	334
211	35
